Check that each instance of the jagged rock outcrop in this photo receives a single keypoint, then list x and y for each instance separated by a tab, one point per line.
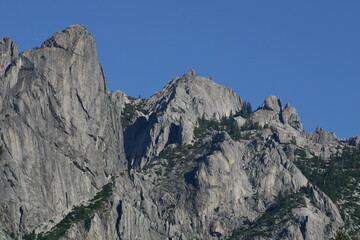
60	132
119	99
289	129
322	136
173	113
272	103
197	166
285	120
8	52
272	113
354	141
230	181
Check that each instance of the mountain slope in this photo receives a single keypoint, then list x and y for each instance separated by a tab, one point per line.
172	114
226	179
193	161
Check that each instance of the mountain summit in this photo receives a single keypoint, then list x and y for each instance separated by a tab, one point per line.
61	138
172	114
193	161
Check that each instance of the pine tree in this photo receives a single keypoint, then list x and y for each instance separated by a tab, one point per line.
341	236
248	108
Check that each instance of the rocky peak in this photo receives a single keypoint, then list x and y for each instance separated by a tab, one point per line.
8	52
200	95
74	38
323	136
290	116
175	110
354	141
61	128
272	103
190	74
63	163
285	120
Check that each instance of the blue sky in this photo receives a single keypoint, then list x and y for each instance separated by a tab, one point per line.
305	52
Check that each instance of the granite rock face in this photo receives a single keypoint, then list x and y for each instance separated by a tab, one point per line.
172	115
190	165
231	181
61	133
8	52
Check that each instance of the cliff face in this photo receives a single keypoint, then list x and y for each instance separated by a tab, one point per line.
173	112
233	170
195	165
60	133
8	51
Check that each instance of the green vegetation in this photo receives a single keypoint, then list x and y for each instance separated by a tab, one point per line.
30	236
246	110
250	125
277	214
12	235
204	125
337	177
341	236
227	124
175	169
301	153
177	160
293	140
79	213
179	155
130	109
